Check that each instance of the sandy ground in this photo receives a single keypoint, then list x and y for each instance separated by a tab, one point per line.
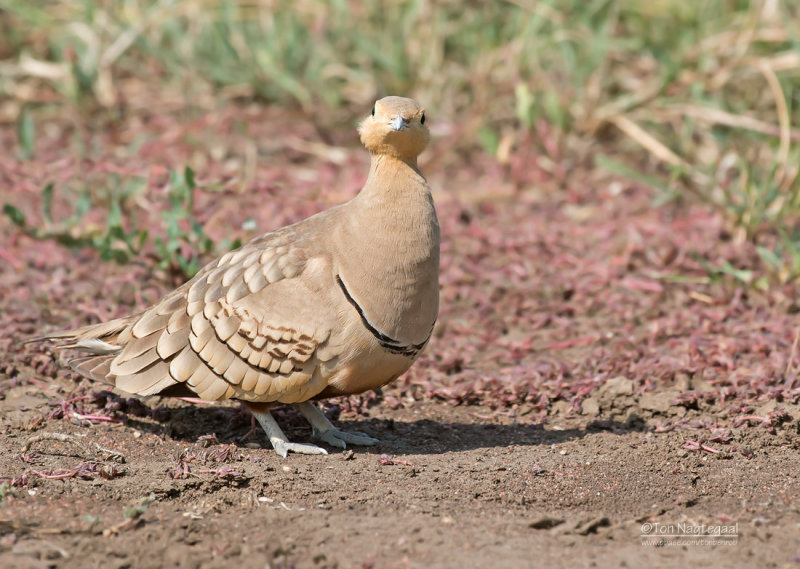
446	488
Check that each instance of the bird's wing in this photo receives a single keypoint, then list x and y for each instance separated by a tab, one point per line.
254	325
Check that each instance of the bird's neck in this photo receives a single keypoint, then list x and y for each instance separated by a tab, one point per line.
395	198
391	240
391	177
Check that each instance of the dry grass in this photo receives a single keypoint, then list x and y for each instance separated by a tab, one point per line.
692	98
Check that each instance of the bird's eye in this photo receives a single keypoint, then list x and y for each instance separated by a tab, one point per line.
373	111
422	119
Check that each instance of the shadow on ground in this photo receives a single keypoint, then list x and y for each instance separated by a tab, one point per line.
232	425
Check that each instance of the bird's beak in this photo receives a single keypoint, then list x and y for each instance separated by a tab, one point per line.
398	123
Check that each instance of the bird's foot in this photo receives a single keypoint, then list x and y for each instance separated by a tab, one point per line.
337	438
251	432
278	439
284	447
323	429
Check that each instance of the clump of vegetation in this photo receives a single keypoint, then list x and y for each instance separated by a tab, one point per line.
180	249
695	99
183	248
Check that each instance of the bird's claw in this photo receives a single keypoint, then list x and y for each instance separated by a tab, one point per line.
284	447
337	438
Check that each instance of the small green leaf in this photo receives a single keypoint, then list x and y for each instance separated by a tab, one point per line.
524	104
115	215
552	109
141	239
14	214
188	175
740	274
82	205
761	283
769	257
27	134
47	202
489	140
115	232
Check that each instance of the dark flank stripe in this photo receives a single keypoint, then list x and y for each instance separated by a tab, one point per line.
388	343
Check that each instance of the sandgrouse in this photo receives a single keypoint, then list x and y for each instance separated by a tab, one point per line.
336	304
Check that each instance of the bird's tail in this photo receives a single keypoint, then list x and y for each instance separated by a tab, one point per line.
103	342
102	338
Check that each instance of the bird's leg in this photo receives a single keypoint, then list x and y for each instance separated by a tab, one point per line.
277	437
253	428
323	429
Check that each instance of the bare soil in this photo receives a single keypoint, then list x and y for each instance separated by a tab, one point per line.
578	403
447	488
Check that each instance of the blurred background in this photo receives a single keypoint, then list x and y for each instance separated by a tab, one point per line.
694	100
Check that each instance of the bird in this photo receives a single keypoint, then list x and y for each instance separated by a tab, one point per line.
339	303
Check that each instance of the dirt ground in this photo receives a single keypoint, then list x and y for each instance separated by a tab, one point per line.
590	399
446	488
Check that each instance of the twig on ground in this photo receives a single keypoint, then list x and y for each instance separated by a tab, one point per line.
113	530
772	419
62	437
87	419
695	445
222	472
386	459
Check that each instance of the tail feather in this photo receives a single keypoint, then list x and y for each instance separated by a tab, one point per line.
136	353
94	367
107	332
100	340
94	346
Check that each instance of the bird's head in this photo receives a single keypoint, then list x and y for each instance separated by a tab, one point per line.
396	127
